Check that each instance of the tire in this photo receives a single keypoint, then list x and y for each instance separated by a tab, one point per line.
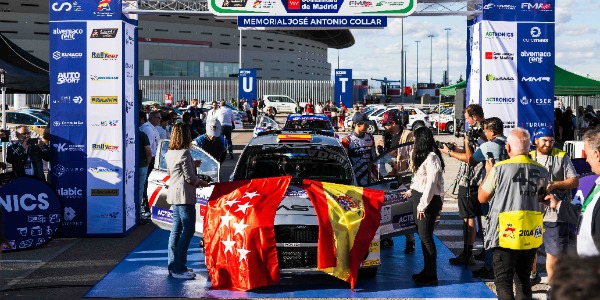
367	273
450	127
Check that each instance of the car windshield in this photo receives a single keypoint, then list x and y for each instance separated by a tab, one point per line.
208	167
316	162
41	116
306	124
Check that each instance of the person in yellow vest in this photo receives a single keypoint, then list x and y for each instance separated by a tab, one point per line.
563	178
515	189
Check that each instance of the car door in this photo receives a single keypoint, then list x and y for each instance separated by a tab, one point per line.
287	104
393	177
158	185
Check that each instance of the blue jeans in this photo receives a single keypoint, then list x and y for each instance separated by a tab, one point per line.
184	220
143	172
226	129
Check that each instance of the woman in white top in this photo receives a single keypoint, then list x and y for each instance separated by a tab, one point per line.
426	190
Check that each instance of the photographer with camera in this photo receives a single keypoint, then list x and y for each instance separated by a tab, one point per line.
26	154
468	180
394	135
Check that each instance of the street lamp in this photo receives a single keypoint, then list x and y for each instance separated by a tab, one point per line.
447	57
417	67
403	67
431	58
3	109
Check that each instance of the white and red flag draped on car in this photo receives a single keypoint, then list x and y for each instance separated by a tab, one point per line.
239	234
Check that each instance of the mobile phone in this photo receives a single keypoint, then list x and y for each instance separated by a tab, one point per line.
33	141
491	156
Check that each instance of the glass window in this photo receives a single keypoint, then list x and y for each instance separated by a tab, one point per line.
174	68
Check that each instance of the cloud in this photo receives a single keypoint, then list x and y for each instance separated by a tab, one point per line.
572	31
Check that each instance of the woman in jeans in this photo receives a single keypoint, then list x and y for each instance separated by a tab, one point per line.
426	190
182	197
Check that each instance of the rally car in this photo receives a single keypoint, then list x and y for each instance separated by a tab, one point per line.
307	123
264	124
302	156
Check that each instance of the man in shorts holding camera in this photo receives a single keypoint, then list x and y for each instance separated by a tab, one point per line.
468	179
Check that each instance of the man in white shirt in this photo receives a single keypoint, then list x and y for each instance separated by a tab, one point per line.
149	128
161	128
225	116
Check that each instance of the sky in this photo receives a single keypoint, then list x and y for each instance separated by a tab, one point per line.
376	53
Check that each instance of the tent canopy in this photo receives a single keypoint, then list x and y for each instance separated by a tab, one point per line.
25	73
565	84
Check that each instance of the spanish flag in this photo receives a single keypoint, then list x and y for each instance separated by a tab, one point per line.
348	220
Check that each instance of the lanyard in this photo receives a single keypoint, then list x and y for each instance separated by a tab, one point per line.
590	197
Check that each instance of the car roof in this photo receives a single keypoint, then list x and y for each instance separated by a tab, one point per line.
319	117
273	139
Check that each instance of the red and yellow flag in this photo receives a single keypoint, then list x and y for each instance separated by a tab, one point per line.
348	220
239	235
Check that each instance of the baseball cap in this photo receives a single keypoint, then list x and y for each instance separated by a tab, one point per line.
359	117
543	132
390	116
213	128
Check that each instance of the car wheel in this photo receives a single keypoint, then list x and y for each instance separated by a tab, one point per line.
367	273
450	127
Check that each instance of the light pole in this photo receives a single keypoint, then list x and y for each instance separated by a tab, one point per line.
402	65
447	57
431	58
417	89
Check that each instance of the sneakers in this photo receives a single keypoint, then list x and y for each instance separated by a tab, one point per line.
484	273
145	215
462	260
410	247
535	278
387	243
184	275
425	280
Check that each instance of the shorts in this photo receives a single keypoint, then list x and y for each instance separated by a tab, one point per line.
468	208
556	238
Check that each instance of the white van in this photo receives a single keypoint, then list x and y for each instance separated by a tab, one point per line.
282	103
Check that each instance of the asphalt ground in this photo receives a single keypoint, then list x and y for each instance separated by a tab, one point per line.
66	268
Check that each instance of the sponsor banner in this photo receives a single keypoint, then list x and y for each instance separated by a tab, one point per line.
130	123
233	8
536	74
62	10
105	215
499	72
30	216
312	21
533	10
68	177
343	86
247	83
474	81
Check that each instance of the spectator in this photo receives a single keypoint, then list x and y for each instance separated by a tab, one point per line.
298	108
161	128
558	116
426	190
342	112
563	178
319	108
145	157
567	128
576	278
309	108
334	114
254	109
149	128
360	146
591	120
213	141
26	154
198	115
514	188
586	217
225	117
182	197
248	111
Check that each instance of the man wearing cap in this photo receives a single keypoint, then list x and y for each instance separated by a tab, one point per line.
394	135
360	146
563	178
213	142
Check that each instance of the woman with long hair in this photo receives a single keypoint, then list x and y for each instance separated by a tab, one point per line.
182	197
426	190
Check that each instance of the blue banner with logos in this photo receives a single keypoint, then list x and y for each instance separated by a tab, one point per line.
313	21
62	10
511	62
343	87
31	213
247	84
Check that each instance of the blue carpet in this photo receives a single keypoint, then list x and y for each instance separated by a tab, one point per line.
143	273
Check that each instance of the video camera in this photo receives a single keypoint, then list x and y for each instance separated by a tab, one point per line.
473	133
440	145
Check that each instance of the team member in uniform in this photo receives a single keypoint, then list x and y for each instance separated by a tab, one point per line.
360	146
563	178
514	189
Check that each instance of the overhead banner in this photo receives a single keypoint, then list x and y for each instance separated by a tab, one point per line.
511	70
93	90
343	86
312	21
234	8
247	84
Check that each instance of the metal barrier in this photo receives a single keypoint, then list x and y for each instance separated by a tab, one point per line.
217	89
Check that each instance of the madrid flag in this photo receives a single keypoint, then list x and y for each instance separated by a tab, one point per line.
348	220
239	234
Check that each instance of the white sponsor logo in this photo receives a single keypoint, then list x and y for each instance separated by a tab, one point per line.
535	32
64	147
526	101
70	192
535	79
68	77
535	56
69	214
58	55
67	34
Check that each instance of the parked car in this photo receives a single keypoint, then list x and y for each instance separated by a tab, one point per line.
444	121
281	103
414	114
264	124
36	121
309	123
302	156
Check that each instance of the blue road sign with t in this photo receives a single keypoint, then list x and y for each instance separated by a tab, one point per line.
343	87
247	84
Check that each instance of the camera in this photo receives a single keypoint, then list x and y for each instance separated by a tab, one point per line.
440	145
472	134
204	177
